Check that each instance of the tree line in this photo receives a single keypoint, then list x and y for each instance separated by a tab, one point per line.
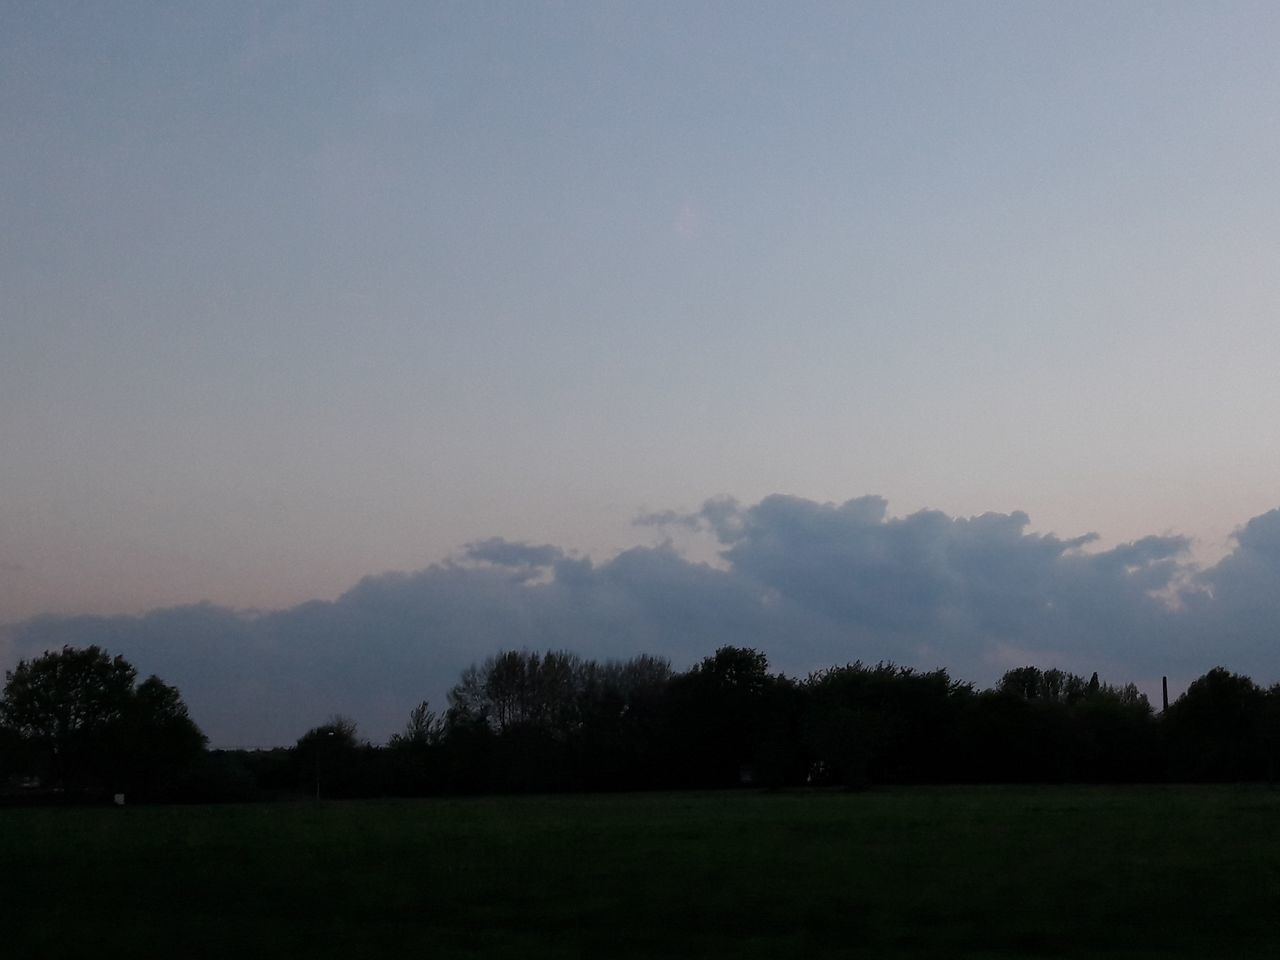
78	722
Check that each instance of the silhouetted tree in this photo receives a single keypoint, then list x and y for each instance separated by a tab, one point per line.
1022	682
88	725
1217	729
327	760
522	721
424	728
554	721
1271	732
1054	725
1117	736
617	744
718	713
883	723
414	752
13	755
519	688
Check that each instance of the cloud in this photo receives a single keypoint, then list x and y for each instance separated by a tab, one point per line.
967	585
505	553
1251	572
1235	605
669	518
811	584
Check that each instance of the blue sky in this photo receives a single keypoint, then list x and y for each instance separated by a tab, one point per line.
291	294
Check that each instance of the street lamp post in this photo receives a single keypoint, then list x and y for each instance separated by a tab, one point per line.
319	748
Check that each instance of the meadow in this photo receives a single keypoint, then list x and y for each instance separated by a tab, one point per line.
1152	871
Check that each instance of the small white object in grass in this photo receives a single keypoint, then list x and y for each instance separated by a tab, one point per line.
119	799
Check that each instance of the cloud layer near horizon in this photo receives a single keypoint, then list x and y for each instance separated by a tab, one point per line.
810	584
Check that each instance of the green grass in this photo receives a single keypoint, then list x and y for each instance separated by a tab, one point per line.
973	872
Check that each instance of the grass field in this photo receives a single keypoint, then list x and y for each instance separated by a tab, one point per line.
974	872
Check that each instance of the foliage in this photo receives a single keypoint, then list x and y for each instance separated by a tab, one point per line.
521	689
719	716
526	721
872	724
331	760
86	724
423	729
1218	729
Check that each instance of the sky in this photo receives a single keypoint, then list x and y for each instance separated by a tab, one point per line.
314	316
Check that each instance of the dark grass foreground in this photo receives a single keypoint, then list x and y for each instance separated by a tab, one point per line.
975	872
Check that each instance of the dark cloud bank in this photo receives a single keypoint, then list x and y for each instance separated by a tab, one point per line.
810	584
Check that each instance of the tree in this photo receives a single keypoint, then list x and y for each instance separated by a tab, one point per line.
870	724
1055	725
718	715
424	728
521	689
1217	728
618	743
87	724
329	756
413	755
158	735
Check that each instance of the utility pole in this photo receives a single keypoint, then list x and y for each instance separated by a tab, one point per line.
1164	681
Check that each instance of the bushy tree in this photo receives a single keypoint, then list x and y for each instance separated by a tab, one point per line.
87	724
1217	729
618	742
423	729
883	723
414	752
521	688
524	720
718	716
328	759
1118	737
1054	725
1047	686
